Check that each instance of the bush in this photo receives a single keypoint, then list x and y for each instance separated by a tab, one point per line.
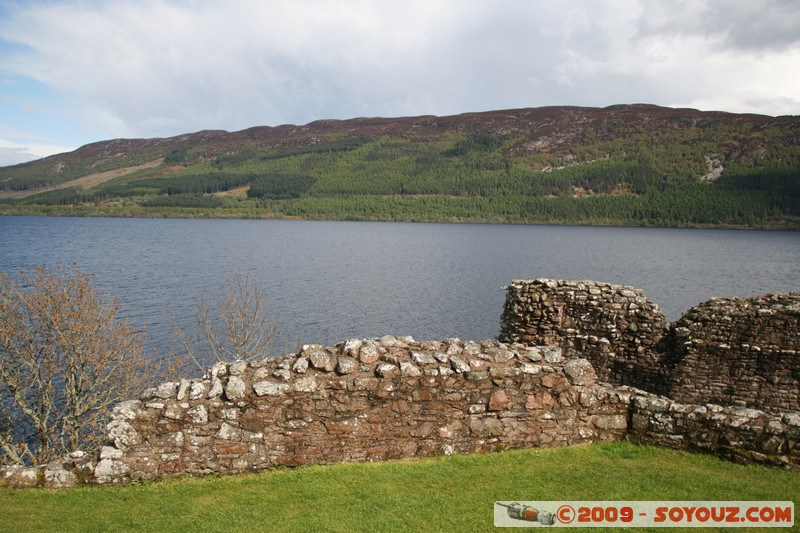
246	329
65	360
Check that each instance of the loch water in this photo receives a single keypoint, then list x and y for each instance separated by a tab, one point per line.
328	281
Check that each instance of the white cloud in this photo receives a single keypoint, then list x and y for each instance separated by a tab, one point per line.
23	150
13	156
164	67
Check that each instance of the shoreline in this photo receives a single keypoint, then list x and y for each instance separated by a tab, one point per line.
233	214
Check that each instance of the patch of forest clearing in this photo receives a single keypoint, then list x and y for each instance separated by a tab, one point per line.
84	182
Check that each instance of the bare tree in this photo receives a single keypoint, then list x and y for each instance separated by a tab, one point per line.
246	330
65	360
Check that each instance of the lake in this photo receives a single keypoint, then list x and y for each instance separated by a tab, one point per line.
329	281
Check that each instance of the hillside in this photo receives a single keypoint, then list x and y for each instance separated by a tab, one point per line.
626	164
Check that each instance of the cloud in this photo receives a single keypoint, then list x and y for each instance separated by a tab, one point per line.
754	25
13	156
22	149
159	67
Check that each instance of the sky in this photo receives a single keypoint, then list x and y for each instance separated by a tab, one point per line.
79	71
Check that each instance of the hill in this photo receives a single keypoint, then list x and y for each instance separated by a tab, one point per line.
621	165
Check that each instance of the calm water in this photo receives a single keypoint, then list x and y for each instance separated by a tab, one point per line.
329	281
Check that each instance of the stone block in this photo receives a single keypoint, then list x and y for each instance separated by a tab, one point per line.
123	434
167	390
322	360
235	389
499	400
610	421
110	470
369	353
346	365
216	388
198	414
270	388
301	365
580	372
386	370
351	347
20	476
422	358
306	384
409	369
459	365
237	368
197	390
486	427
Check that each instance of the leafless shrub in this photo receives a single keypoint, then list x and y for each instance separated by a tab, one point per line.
246	330
66	359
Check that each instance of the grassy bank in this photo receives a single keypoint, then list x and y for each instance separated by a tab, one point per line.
442	494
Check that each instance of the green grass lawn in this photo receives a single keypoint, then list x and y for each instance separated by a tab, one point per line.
440	494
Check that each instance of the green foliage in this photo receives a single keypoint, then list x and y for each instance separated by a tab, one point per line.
46	173
206	183
185	200
178	155
481	142
23	177
334	146
782	188
280	186
66	196
610	172
232	159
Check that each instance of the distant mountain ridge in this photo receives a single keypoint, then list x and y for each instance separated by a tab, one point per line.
549	164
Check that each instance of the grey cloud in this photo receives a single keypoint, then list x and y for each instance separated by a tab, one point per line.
173	67
784	102
751	25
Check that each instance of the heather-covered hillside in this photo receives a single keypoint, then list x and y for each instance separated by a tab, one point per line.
627	164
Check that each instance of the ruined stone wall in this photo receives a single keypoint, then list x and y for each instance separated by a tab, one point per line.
394	397
614	326
362	400
738	351
727	351
388	398
735	433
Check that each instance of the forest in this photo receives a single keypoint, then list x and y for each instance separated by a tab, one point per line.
665	172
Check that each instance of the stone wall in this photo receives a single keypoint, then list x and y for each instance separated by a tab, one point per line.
394	397
728	351
614	326
362	400
738	351
736	433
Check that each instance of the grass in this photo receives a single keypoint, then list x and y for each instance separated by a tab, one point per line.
440	494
